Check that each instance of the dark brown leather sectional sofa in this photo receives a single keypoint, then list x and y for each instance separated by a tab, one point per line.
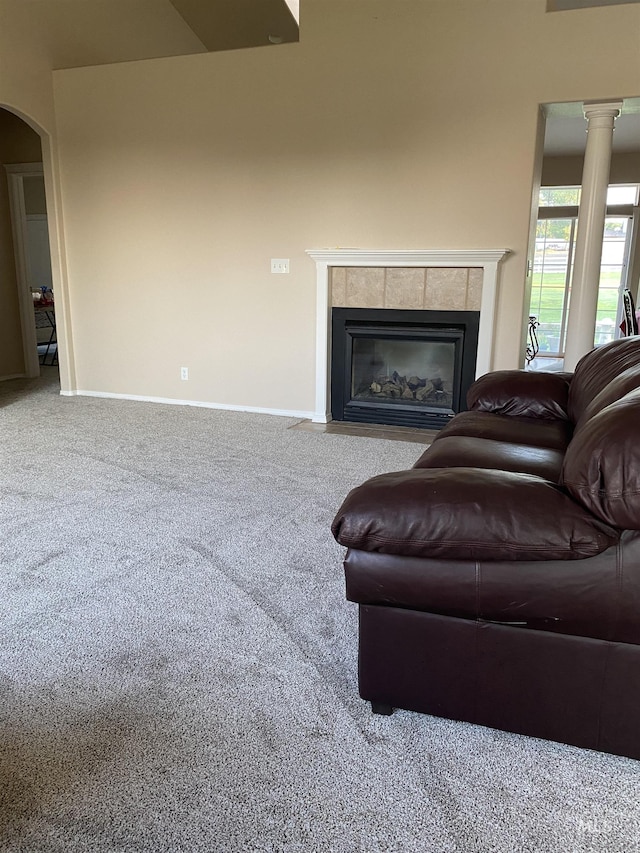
498	581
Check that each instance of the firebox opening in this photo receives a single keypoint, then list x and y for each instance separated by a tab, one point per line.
407	368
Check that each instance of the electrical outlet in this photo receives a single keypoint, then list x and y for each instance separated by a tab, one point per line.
280	265
184	373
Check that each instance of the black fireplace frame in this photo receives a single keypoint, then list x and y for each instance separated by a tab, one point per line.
350	323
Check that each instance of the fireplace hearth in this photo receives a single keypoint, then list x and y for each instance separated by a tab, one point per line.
401	367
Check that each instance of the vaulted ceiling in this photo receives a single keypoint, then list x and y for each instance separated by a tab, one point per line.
564	5
96	32
566	128
76	33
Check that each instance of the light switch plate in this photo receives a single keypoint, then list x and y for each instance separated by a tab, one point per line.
280	265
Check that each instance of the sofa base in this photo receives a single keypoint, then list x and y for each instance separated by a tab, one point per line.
575	690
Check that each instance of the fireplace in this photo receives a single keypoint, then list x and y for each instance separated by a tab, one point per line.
481	286
401	367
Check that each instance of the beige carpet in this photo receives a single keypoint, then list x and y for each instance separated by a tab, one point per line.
178	662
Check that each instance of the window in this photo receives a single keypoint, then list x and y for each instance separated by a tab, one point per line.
623	194
559	197
553	264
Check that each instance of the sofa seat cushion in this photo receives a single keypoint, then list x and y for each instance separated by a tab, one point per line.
471	452
537	432
469	514
590	598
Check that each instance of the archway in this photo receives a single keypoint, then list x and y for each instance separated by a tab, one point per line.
29	254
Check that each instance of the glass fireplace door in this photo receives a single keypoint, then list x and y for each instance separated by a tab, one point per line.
404	372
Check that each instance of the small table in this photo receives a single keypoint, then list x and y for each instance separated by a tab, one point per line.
46	312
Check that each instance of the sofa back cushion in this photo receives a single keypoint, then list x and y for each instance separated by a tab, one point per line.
601	466
627	381
521	394
597	369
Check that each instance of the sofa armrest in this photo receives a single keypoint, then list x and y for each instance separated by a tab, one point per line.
469	514
521	394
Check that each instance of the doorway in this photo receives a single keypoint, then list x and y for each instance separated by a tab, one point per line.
29	335
554	230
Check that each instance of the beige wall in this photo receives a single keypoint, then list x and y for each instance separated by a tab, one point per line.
26	90
567	171
25	66
18	144
35	200
391	125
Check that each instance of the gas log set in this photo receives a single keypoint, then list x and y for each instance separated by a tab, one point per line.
426	391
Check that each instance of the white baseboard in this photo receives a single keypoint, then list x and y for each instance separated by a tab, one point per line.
13	376
258	410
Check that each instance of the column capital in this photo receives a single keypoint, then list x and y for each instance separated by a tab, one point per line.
608	109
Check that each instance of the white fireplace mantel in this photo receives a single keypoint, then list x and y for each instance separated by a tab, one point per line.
486	259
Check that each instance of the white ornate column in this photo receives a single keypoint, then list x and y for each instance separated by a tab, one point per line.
581	322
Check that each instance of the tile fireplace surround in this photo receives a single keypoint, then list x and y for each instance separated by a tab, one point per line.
452	280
